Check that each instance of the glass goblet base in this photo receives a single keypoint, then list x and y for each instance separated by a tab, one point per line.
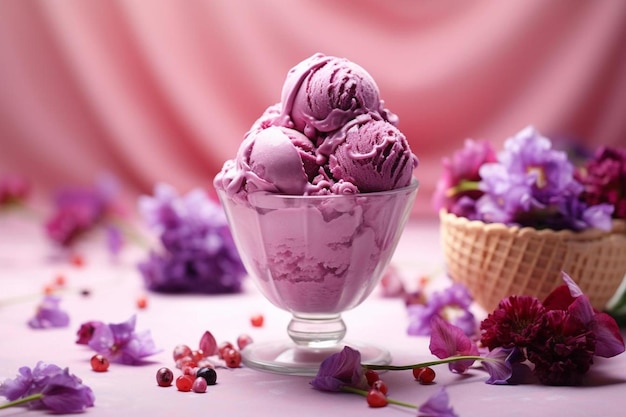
285	357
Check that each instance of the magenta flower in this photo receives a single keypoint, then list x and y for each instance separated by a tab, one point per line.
438	405
451	304
198	252
13	189
47	387
120	342
49	314
448	340
456	190
340	370
86	331
79	210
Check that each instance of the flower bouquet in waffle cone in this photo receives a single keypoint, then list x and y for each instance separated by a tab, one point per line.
512	222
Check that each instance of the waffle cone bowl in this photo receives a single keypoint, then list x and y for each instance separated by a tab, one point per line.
494	261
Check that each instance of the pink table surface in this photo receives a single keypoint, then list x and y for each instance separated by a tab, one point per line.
27	263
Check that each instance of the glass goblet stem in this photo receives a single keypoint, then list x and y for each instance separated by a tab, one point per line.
316	331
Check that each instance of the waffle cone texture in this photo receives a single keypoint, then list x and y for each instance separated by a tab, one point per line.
494	260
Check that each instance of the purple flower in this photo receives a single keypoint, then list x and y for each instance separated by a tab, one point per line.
505	366
533	185
459	170
52	388
339	370
49	314
513	323
78	210
198	253
451	304
448	340
121	343
438	405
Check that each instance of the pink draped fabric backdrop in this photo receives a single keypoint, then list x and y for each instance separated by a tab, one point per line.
164	90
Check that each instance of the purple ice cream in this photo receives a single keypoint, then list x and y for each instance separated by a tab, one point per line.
320	189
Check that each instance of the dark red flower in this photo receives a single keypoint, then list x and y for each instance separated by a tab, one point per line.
513	323
604	179
562	350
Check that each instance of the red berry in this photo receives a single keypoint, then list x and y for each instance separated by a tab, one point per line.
184	383
232	357
417	372
60	280
99	363
380	386
164	377
257	320
142	302
197	355
371	376
181	351
376	399
224	346
77	260
199	385
427	376
243	341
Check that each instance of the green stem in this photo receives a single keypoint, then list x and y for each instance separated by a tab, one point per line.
364	393
424	364
22	400
462	186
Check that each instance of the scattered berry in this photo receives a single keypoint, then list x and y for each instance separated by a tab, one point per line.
85	292
208	344
59	280
371	376
199	385
184	383
164	377
232	357
197	355
380	386
77	260
417	372
243	341
142	302
48	289
257	320
427	376
99	363
181	351
208	374
224	346
189	370
376	399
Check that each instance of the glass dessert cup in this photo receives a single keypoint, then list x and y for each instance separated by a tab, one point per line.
316	257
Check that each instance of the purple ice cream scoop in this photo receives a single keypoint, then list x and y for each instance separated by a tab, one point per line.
322	93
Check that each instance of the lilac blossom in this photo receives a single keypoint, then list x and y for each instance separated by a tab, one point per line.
119	342
529	175
438	405
448	340
48	387
49	314
451	304
198	253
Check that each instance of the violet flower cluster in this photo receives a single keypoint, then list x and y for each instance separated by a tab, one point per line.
198	253
118	342
47	387
531	184
560	336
